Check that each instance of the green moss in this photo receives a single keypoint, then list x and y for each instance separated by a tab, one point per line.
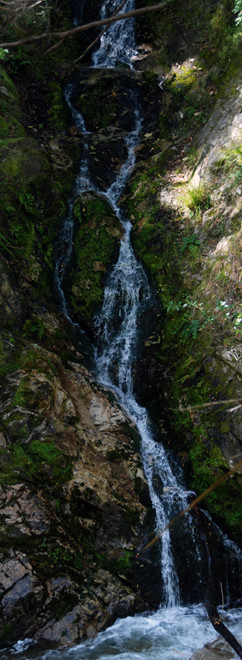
98	113
96	236
8	85
119	564
39	462
58	114
6	634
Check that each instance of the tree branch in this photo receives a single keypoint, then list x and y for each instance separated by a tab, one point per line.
94	42
86	27
194	503
208	404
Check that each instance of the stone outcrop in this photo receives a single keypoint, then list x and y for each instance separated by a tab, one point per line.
73	503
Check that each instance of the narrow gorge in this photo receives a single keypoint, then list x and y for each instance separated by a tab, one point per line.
120	334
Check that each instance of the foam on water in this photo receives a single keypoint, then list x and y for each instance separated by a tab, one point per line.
165	635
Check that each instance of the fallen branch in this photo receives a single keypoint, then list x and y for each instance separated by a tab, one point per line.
86	27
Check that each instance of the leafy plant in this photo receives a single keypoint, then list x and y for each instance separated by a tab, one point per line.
189	240
238	11
26	200
3	54
34	328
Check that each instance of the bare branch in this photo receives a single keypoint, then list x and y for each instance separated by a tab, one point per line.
208	404
55	46
86	27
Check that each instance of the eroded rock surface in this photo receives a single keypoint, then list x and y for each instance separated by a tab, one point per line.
72	517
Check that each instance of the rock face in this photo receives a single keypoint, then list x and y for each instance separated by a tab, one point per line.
73	504
225	121
75	508
11	305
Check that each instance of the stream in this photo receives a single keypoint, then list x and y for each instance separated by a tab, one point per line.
180	625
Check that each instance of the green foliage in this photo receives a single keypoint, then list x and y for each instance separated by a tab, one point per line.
208	464
205	462
185	323
59	555
3	54
20	58
238	11
189	241
119	564
34	328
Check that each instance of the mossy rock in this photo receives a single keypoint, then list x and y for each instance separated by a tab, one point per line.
97	233
23	158
11	300
9	98
10	127
103	100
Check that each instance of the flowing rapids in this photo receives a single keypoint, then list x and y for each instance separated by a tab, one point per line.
127	297
165	635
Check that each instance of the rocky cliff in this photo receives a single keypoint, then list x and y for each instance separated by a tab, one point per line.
75	511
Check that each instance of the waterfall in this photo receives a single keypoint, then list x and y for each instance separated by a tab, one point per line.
117	45
126	299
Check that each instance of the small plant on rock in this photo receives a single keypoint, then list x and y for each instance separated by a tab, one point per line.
196	198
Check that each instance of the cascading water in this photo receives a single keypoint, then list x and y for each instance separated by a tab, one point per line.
117	45
127	297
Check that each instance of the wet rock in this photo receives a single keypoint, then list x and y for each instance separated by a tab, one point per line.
11	302
21	594
218	650
22	512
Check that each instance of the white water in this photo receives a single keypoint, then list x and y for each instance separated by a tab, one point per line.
117	45
173	631
165	635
